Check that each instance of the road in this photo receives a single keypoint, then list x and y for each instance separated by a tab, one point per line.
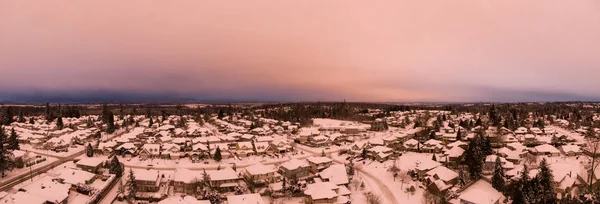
7	185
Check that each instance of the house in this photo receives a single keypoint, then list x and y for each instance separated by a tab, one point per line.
481	192
432	146
294	168
91	164
412	144
170	151
280	146
319	141
325	192
262	173
521	131
335	174
198	151
380	153
75	176
126	149
147	180
318	163
244	149
46	189
149	151
254	198
184	179
454	154
224	179
571	150
546	149
441	179
567	176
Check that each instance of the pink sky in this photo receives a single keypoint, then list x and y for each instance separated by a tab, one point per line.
304	50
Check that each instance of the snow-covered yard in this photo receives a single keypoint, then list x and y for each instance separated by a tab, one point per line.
72	151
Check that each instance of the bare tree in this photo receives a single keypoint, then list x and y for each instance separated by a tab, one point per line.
394	169
404	178
355	183
593	149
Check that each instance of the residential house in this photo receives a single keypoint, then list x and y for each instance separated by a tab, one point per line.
149	151
294	168
441	179
547	150
318	163
481	192
147	180
319	141
381	153
432	146
413	145
170	151
262	173
571	150
224	179
325	192
335	174
91	164
184	180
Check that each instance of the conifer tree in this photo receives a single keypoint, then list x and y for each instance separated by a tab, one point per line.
546	183
498	177
13	142
363	154
115	167
150	123
217	156
473	158
31	121
458	135
89	150
6	162
131	185
59	123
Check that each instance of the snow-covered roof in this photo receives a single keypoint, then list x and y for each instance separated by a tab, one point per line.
48	189
185	175
91	161
336	174
74	176
145	174
454	152
259	169
183	200
546	148
481	192
443	173
571	148
245	199
321	190
293	164
224	174
380	149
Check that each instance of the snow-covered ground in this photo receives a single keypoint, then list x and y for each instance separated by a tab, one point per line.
50	153
24	171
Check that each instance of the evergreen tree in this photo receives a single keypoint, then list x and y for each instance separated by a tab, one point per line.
150	123
21	117
478	122
89	150
546	183
458	135
498	177
59	123
323	153
13	142
108	119
217	156
473	159
31	121
6	162
131	185
115	167
363	154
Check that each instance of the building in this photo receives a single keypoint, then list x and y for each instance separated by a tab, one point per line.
547	150
147	180
149	151
262	173
183	181
441	179
481	192
90	164
318	163
325	192
294	168
224	179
